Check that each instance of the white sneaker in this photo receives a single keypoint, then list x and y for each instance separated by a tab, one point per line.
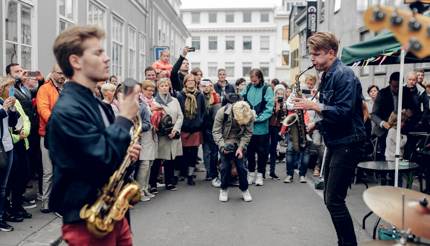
288	179
259	180
216	182
251	178
246	196
302	179
143	197
223	195
148	194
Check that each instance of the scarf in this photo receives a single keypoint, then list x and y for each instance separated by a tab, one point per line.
209	100
190	103
163	99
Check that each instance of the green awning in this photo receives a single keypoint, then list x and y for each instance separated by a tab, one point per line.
372	52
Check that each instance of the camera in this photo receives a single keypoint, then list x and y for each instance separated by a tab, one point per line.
191	49
230	148
306	92
280	99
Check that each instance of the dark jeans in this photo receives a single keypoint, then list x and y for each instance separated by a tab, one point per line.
155	170
340	164
259	145
4	175
274	139
226	164
210	158
296	159
19	175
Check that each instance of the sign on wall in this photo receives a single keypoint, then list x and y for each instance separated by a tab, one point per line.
158	50
312	14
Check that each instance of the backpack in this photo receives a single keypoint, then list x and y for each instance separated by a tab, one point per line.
259	108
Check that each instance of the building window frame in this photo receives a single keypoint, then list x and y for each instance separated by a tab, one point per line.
212	43
141	41
196	42
230	69
214	16
212	69
197	16
247	17
230	43
263	18
265	68
229	17
100	6
68	21
132	51
264	43
117	68
246	68
247	43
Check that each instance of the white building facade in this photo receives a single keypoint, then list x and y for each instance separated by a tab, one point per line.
237	39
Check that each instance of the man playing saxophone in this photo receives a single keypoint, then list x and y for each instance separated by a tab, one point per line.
86	143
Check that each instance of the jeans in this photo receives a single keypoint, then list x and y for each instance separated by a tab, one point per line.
296	159
189	160
258	145
226	164
47	174
142	174
340	164
19	176
274	139
4	175
210	158
155	170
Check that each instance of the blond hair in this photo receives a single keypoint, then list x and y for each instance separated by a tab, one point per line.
164	81
242	113
147	83
324	41
108	87
71	42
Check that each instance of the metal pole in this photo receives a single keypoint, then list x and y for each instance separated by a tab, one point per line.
399	116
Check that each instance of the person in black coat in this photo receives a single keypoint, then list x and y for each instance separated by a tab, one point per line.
179	70
86	143
222	87
193	107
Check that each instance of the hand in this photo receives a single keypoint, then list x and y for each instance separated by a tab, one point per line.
310	127
239	153
128	105
386	125
185	51
172	134
134	151
301	103
8	102
21	135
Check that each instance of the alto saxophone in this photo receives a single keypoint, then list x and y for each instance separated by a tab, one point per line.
116	197
296	120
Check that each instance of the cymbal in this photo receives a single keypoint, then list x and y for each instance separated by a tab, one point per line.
386	202
387	243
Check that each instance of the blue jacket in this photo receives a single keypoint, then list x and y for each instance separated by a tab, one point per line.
342	114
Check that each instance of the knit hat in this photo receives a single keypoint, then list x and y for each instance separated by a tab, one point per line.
279	87
205	82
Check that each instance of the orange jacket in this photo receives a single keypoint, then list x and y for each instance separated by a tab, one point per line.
46	98
159	65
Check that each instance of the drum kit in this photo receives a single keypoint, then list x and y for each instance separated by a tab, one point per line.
407	210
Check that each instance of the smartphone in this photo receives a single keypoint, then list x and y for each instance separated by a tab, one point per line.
191	49
306	91
12	91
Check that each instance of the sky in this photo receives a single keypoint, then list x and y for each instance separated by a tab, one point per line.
229	3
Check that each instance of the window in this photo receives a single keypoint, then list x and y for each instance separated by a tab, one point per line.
229	17
96	15
212	17
264	42
142	55
285	32
246	68
195	18
213	43
131	52
229	43
19	38
195	42
247	42
247	17
264	17
212	69
264	66
295	58
195	64
117	46
66	14
285	57
229	69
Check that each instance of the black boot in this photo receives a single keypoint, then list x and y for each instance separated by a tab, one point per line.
191	180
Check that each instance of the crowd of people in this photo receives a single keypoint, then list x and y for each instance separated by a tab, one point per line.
181	112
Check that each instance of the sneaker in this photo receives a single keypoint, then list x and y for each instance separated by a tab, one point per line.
154	190
39	197
246	196
288	179
12	217
45	210
303	179
274	176
144	198
29	204
259	180
251	178
223	195
23	213
160	185
216	182
5	226
148	194
316	172
171	187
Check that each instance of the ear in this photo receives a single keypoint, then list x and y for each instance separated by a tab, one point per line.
75	62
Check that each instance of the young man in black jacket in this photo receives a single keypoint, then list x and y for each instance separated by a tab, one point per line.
86	144
179	70
342	127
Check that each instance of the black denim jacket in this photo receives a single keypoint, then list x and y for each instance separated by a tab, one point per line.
342	115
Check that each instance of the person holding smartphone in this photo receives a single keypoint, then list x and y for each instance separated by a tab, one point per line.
232	132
